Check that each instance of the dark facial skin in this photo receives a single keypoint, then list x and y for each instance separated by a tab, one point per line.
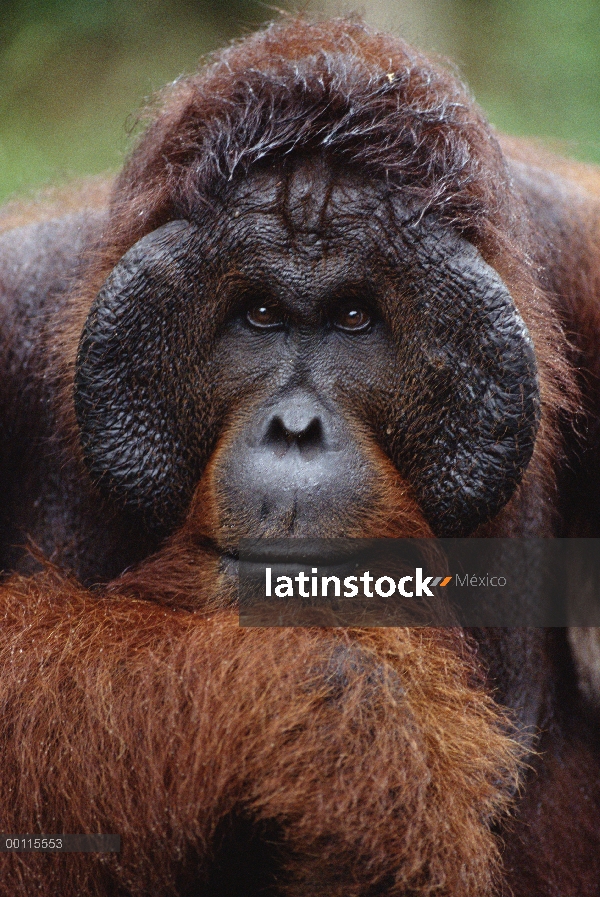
317	358
304	324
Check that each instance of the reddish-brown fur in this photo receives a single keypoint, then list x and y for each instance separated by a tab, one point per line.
305	762
367	758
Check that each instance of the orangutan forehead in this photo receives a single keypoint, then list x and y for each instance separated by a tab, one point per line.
310	197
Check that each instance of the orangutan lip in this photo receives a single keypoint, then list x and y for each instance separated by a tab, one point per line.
291	560
301	551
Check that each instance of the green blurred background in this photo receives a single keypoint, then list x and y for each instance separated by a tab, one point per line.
74	72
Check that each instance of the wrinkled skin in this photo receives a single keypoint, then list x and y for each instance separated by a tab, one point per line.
293	244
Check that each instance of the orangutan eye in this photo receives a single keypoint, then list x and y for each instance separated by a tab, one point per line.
352	319
265	317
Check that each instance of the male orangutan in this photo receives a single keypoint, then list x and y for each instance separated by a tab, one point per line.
322	299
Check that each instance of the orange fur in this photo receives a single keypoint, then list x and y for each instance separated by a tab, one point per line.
367	759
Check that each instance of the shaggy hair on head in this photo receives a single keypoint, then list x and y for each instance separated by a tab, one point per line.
365	99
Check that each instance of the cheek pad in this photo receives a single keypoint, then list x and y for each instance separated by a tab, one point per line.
466	418
142	388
